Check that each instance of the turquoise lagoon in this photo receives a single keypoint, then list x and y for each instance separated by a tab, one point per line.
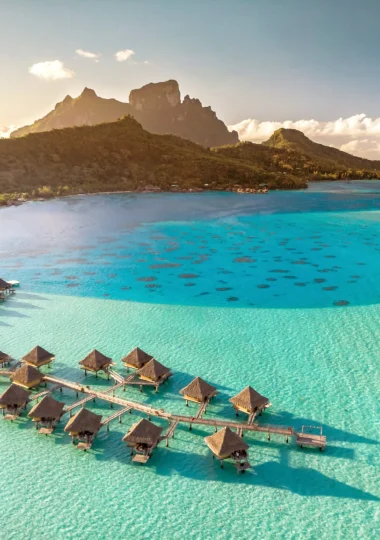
280	291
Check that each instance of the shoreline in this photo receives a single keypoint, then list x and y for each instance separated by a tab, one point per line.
19	201
241	191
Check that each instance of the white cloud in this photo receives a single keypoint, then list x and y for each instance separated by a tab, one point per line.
88	54
6	131
51	70
126	54
357	134
367	148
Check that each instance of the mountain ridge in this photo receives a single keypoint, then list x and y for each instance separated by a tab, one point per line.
156	106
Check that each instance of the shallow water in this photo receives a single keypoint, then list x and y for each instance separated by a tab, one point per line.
278	291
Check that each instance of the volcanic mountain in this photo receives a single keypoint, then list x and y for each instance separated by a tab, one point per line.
156	106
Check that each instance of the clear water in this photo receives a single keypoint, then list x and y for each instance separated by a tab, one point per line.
280	291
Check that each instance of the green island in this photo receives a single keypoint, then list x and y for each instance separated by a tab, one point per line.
122	156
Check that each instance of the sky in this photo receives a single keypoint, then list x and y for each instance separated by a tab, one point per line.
260	64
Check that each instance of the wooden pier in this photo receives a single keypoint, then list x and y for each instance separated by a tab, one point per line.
130	380
314	440
182	419
221	426
169	433
118	414
88	398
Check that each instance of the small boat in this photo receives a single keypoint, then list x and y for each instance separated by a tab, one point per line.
14	283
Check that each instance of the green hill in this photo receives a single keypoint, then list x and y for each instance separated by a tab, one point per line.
290	152
119	156
326	156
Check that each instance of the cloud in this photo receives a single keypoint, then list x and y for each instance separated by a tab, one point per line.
51	70
369	149
358	134
6	131
126	54
88	54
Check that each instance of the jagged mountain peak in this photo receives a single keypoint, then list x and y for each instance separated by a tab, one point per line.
88	93
157	106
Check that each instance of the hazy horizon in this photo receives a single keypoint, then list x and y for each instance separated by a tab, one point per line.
259	66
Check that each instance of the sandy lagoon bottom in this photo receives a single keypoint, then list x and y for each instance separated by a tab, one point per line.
317	364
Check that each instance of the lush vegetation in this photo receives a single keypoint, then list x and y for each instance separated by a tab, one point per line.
290	153
120	156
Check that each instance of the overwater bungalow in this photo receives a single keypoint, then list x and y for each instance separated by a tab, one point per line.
38	357
199	391
136	359
27	376
95	361
83	427
143	437
5	359
5	288
13	400
249	401
46	413
154	372
225	444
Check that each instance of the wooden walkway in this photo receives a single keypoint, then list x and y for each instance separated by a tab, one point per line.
160	413
117	377
88	398
118	414
202	409
44	393
36	397
130	380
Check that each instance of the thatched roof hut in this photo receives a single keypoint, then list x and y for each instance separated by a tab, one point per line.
198	390
137	358
38	357
84	422
96	361
14	398
4	358
249	401
27	376
144	432
4	285
225	443
48	409
154	371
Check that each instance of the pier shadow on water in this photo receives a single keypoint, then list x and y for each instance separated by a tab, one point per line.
334	435
166	462
267	472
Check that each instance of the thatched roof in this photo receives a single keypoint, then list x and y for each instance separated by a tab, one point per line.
4	284
137	358
83	421
96	361
144	432
26	375
14	396
47	408
4	357
37	355
153	370
224	442
249	399
198	389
